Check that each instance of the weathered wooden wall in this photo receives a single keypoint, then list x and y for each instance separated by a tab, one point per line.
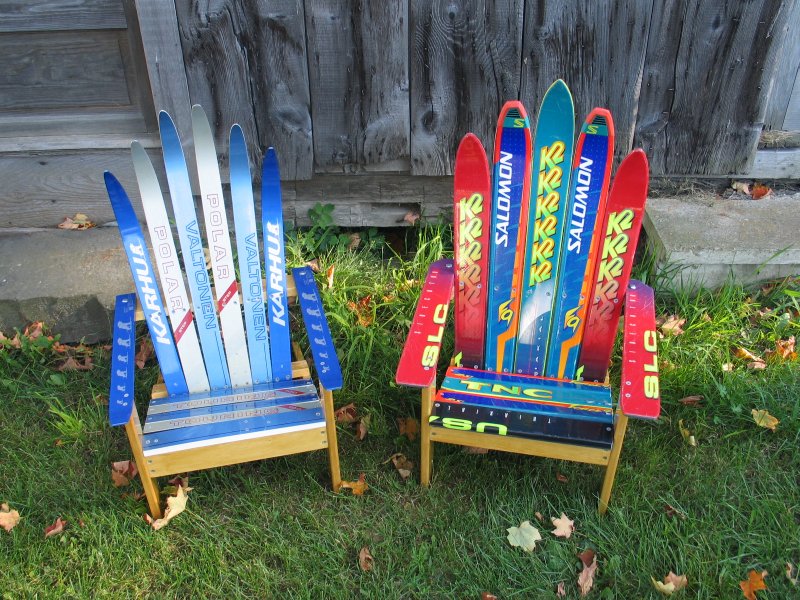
379	93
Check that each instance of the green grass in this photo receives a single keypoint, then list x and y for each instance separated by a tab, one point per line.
274	529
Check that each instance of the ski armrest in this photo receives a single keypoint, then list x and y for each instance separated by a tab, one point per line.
639	392
319	334
420	356
120	400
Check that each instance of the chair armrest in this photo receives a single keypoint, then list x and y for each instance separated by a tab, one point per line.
319	334
639	393
420	356
120	400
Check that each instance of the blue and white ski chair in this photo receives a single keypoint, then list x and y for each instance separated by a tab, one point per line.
250	397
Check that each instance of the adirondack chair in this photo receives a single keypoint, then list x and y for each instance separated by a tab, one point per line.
524	408
248	398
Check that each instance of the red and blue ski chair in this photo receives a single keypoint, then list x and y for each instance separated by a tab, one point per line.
502	409
217	404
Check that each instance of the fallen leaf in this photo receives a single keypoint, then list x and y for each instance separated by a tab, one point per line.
73	365
313	264
757	365
561	590
670	325
686	434
691	400
671	584
525	536
355	240
563	526
706	318
356	487
562	478
79	221
346	414
8	518
122	472
411	217
144	353
539	516
175	505
587	556
784	349
586	576
759	191
673	512
329	274
756	362
362	428
55	528
741	187
180	481
402	464
34	330
727	367
408	427
14	342
791	572
363	310
365	560
488	596
764	419
753	584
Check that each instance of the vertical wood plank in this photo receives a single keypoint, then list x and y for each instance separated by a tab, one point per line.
246	63
465	61
358	76
709	66
787	75
597	48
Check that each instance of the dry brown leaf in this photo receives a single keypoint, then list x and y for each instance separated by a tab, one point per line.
122	472
346	414
355	240
687	435
14	342
753	584
586	576
741	187
56	528
408	427
488	596
561	477
79	221
411	217
34	330
670	325
764	419
175	505
145	353
791	573
691	400
402	464
539	516
759	191
329	275
564	526
362	428
784	349
672	583
561	590
757	365
673	512
73	365
727	367
356	487
365	560
313	264
363	310
8	517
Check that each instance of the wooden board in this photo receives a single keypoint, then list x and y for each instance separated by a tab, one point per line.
705	117
47	15
597	48
783	109
62	69
358	77
465	64
246	63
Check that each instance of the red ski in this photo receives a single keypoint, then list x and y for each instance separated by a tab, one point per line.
421	352
620	233
639	394
473	223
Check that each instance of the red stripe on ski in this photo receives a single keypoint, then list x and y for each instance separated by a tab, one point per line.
183	326
472	215
639	393
420	356
620	231
227	296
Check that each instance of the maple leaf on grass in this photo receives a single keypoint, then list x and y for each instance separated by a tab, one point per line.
488	596
408	427
175	505
784	349
402	464
329	274
313	264
362	428
365	559
753	584
73	365
586	576
122	472
564	526
764	419
357	487
691	400
671	584
346	414
791	573
525	536
670	325
8	517
56	528
144	353
561	590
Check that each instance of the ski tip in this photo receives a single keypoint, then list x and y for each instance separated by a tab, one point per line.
270	161
236	137
200	119
164	118
110	180
513	105
558	97
470	148
636	160
598	113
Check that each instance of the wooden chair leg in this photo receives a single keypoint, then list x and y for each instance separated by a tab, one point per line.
333	444
133	428
613	460
426	454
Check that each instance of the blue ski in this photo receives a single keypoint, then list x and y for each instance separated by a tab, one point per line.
278	306
144	277
120	400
